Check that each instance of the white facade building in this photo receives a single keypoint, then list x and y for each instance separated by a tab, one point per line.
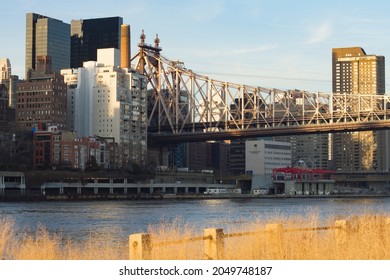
262	156
109	102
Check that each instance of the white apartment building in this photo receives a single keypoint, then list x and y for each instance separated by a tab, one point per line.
110	102
262	156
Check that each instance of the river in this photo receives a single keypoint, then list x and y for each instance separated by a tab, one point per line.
115	220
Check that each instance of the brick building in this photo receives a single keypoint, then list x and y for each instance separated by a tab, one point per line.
53	148
47	148
41	99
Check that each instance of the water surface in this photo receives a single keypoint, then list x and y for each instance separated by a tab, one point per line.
117	219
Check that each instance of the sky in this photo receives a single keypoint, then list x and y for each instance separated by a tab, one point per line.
269	43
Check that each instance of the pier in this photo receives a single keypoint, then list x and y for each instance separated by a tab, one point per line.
12	181
121	186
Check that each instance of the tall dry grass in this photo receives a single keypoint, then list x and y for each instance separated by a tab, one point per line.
367	238
6	237
43	245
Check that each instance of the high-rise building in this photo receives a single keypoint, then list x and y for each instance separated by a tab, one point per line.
47	36
197	156
12	91
312	148
89	35
5	79
5	70
237	157
3	107
7	93
110	102
355	72
8	81
178	155
41	99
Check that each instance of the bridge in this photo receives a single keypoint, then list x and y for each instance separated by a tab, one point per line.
186	106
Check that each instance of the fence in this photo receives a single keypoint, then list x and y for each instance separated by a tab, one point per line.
141	245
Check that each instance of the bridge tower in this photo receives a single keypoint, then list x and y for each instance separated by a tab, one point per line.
148	63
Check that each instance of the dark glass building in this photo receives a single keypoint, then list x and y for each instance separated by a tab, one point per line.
88	35
46	36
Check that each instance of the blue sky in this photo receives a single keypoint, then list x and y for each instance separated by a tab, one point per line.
275	43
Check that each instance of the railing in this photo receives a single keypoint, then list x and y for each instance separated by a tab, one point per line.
141	245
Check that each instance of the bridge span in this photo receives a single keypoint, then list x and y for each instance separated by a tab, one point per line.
186	106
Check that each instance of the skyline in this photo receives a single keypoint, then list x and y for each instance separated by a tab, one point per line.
275	44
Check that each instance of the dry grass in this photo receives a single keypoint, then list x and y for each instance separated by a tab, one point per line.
6	237
367	238
176	230
43	245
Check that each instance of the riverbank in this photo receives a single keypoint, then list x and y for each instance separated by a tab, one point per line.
98	197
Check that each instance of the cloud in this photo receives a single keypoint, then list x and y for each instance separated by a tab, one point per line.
320	33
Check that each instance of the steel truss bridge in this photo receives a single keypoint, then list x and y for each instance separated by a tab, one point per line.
186	106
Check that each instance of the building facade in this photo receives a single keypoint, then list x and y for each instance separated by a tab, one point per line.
262	157
237	157
5	70
41	99
355	72
3	108
89	35
110	102
312	148
8	81
47	36
54	149
5	79
47	148
85	153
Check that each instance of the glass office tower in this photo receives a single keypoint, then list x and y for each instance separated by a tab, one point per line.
47	37
89	35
